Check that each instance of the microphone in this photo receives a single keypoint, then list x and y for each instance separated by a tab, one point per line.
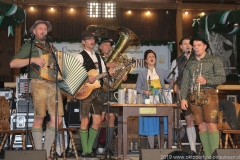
32	36
188	51
195	51
45	35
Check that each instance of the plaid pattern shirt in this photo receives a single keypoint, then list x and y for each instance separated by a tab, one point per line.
212	71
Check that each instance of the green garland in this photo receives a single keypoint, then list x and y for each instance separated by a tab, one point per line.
15	19
215	23
214	20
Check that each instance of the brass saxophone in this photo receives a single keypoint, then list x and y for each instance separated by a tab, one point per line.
127	38
197	97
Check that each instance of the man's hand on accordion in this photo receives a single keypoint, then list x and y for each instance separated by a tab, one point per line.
91	79
39	61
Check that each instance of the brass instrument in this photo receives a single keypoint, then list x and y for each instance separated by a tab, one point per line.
127	38
197	97
100	30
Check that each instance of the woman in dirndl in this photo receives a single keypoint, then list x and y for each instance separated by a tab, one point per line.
149	82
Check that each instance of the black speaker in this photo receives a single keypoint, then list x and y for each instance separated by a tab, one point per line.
73	112
226	154
25	154
154	154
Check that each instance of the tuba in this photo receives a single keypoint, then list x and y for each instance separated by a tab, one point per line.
101	30
127	38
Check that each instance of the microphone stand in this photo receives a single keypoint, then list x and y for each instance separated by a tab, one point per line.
56	69
108	156
176	99
28	93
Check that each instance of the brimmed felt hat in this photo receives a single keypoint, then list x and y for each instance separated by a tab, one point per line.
49	26
86	34
102	40
200	39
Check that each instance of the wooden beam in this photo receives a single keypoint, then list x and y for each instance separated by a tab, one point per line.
206	6
179	24
228	87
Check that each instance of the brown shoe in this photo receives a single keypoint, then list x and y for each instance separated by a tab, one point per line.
49	158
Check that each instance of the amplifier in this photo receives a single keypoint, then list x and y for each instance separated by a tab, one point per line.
22	87
22	106
6	92
17	122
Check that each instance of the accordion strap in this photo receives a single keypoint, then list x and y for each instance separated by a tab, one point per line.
44	48
33	68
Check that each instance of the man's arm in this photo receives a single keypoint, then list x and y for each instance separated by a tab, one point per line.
19	63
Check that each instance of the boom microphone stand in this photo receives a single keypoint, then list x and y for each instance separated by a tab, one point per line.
56	69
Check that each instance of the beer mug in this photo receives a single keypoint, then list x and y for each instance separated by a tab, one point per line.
139	99
121	96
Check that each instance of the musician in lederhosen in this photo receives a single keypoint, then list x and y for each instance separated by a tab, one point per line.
92	104
202	75
105	48
43	92
181	62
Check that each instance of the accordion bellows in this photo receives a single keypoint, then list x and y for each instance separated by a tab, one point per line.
74	74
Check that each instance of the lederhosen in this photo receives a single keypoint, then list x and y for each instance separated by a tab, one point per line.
104	95
93	103
208	112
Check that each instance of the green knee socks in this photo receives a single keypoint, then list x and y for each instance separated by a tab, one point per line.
204	136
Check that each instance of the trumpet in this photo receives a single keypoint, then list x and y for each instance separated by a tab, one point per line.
197	97
199	70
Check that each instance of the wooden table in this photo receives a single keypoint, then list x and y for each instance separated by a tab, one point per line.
142	110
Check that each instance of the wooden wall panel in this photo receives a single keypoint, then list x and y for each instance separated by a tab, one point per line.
6	54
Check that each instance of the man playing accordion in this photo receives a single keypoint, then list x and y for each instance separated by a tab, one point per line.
43	92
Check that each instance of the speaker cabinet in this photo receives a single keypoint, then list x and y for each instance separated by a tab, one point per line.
25	154
226	154
73	111
154	154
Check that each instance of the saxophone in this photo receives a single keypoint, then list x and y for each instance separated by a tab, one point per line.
197	97
127	38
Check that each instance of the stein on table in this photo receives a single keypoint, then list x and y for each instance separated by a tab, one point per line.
121	96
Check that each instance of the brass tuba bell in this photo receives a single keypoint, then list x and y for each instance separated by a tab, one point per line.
127	38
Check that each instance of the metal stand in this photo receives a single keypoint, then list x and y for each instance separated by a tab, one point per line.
28	93
108	156
56	69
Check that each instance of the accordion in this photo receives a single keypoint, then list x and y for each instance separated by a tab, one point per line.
73	73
